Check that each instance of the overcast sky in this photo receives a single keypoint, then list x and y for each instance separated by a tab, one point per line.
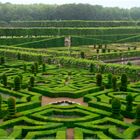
107	3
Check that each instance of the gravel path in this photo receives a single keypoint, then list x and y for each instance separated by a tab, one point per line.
48	100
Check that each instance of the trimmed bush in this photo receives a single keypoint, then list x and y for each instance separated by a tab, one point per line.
17	83
32	81
43	67
82	54
4	80
137	121
123	86
2	60
116	108
91	69
11	107
99	79
0	102
109	84
25	67
114	83
129	99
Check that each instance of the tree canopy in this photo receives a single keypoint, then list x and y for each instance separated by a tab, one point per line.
12	12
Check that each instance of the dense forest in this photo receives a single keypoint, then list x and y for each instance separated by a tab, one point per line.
10	12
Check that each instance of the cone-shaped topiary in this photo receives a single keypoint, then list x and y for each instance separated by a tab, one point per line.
91	68
2	60
43	67
4	80
40	59
129	99
11	107
82	54
0	102
36	67
123	86
32	81
17	83
99	79
25	67
114	83
109	84
18	56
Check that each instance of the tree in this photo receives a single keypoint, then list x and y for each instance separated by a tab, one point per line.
36	67
99	79
17	83
129	99
116	109
114	83
4	80
11	107
123	86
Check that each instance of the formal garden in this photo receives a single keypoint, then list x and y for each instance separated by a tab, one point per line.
69	80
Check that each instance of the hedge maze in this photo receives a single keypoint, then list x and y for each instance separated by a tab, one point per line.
50	91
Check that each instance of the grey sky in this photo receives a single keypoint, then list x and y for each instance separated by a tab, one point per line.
108	3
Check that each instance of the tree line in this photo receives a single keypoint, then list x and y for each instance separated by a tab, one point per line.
12	12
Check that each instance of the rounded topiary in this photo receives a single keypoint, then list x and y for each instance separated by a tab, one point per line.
129	100
99	79
17	83
114	83
116	108
4	80
32	81
11	107
123	86
82	54
43	67
97	50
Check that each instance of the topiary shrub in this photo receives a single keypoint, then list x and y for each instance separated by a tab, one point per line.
129	100
4	80
97	50
82	54
123	86
17	83
2	60
11	107
33	69
91	68
40	59
114	83
25	67
18	56
43	67
36	67
116	108
0	102
137	121
32	81
109	84
99	79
